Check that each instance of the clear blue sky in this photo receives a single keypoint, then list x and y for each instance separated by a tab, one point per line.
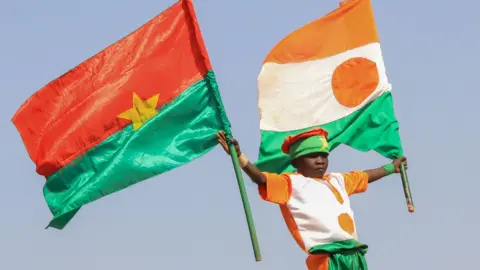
192	217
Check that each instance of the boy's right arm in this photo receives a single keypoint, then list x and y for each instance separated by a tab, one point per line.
275	188
251	170
254	173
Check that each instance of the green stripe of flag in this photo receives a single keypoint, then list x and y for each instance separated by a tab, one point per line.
374	127
182	131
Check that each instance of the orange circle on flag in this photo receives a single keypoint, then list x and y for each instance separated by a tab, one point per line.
354	80
346	223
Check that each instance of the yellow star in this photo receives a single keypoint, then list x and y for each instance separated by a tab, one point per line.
141	112
324	143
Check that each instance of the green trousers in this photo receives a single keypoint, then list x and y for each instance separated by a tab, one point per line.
344	255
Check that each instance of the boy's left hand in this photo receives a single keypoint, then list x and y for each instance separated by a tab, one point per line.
398	161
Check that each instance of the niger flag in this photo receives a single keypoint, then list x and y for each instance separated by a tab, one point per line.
329	73
145	105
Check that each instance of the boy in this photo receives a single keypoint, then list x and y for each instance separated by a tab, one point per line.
316	205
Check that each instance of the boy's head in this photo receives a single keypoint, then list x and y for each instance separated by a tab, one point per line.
308	152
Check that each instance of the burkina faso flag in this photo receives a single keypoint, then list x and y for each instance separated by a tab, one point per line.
145	105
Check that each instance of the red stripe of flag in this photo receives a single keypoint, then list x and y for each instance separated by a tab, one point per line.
78	110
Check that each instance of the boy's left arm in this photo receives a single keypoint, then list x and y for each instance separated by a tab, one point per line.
379	173
357	181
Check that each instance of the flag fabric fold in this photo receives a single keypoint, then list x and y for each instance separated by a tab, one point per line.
143	106
329	73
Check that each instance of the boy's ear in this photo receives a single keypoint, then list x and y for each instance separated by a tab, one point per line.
295	163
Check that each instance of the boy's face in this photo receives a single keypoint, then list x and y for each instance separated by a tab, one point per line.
312	165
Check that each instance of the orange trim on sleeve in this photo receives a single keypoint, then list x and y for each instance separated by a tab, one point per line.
355	182
277	189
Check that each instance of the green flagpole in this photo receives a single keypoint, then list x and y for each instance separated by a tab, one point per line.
246	205
406	188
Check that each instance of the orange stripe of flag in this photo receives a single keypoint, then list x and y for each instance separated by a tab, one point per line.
78	110
349	26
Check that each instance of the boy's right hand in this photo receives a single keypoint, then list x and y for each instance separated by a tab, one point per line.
222	140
